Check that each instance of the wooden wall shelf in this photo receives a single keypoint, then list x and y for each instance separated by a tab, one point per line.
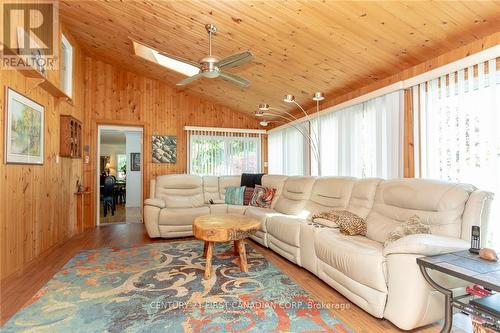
38	79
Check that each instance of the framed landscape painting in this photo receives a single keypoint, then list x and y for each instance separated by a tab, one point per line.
24	129
164	148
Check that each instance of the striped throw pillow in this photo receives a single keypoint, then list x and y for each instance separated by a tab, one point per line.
234	195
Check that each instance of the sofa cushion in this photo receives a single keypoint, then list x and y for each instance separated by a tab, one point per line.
236	209
179	185
295	193
277	182
262	197
181	216
285	228
358	257
363	196
211	189
329	193
260	214
438	204
179	201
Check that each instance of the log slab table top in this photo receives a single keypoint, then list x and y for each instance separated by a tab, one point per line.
224	228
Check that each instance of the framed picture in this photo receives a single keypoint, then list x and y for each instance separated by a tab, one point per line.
135	161
164	148
24	129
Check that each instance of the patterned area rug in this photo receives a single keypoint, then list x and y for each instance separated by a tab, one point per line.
160	288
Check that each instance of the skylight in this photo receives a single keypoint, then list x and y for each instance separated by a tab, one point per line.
153	55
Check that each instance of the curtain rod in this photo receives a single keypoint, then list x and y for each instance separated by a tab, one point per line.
222	129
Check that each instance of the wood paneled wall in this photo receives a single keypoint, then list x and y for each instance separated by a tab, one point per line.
37	203
117	97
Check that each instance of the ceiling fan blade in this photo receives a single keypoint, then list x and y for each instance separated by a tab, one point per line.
235	60
189	79
238	80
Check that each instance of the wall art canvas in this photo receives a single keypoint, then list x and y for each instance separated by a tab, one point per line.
24	129
164	148
135	161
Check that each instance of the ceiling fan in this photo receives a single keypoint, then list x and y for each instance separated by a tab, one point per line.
211	67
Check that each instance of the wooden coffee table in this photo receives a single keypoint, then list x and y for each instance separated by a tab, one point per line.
224	228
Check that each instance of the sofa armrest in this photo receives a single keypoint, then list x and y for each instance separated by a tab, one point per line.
426	245
155	202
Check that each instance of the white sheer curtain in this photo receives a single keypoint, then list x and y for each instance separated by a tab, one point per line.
457	130
287	150
363	140
223	153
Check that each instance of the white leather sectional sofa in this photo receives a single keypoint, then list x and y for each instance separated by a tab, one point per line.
385	282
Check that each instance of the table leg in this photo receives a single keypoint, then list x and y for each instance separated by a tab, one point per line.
236	249
205	247
448	302
208	264
243	256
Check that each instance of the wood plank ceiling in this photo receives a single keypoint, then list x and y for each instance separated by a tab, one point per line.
300	46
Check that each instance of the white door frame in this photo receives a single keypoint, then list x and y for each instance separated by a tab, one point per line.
98	161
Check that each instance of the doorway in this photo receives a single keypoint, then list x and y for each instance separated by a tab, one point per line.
119	174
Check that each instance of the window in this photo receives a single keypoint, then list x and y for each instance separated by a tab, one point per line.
457	136
288	152
223	151
153	55
121	166
66	66
363	140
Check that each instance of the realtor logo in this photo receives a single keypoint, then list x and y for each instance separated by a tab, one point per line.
29	37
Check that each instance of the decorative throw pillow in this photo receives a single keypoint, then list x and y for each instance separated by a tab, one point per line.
247	196
412	226
349	223
262	196
234	195
328	219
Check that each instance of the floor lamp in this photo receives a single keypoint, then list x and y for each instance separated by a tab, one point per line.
312	137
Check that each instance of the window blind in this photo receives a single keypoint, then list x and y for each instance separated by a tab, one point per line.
457	131
221	151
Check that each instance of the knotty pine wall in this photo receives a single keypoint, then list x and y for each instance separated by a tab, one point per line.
114	96
37	205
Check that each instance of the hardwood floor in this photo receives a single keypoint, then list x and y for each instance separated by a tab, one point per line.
16	290
122	214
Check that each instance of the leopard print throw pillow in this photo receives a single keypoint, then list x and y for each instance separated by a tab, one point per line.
348	223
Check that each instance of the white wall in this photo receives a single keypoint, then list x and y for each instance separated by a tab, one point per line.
112	150
134	189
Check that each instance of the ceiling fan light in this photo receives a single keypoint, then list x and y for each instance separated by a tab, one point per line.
288	98
264	123
318	96
264	107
